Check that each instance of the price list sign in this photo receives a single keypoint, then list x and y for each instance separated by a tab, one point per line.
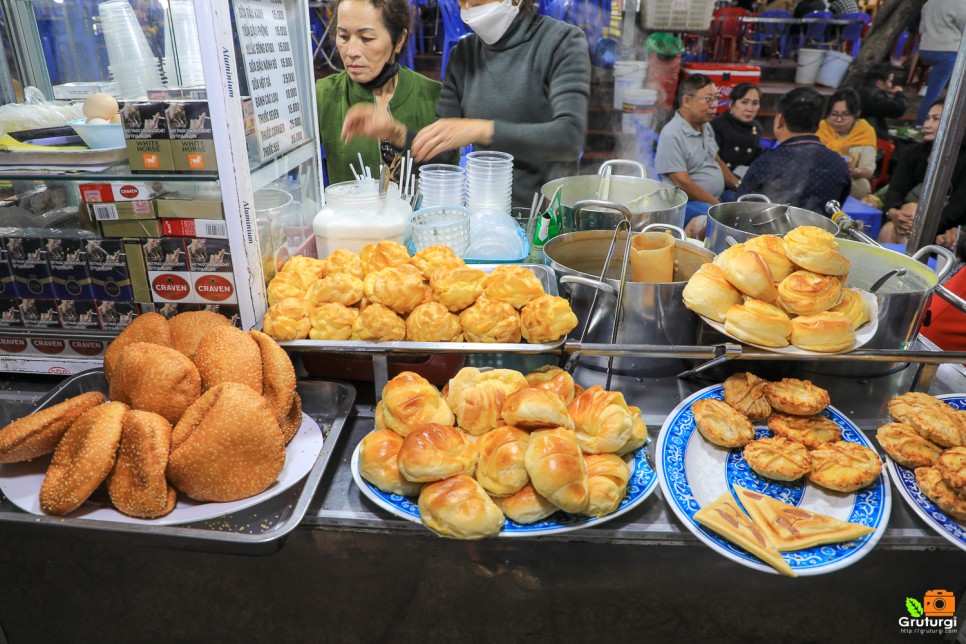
267	54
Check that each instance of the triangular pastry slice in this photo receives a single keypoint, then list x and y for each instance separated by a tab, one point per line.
725	517
793	528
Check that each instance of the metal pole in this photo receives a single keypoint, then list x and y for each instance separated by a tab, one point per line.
942	160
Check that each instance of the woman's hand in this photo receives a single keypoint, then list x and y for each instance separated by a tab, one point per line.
948	238
450	134
902	217
370	121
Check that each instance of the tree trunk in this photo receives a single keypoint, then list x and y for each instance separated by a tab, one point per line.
893	16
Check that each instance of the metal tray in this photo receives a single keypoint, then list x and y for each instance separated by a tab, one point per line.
260	529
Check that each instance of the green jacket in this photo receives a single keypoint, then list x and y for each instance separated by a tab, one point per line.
413	104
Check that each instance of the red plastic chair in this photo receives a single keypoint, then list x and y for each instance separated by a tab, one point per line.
727	29
883	177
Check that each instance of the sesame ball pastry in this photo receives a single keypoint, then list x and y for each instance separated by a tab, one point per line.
526	506
557	468
378	323
931	417
778	458
749	273
602	421
477	397
491	321
536	409
147	327
502	469
345	261
278	376
546	318
906	446
189	327
436	452
288	319
797	397
952	465
285	285
553	379
432	322
339	287
772	250
708	293
826	332
382	255
400	288
512	284
457	288
746	393
807	293
810	431
38	433
948	500
137	484
433	258
607	477
228	354
758	322
332	321
816	250
378	453
153	378
310	267
853	306
721	424
459	507
843	466
291	422
410	401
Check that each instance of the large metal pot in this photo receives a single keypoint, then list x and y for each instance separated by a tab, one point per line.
746	218
649	201
653	313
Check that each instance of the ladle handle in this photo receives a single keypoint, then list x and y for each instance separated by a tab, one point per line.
607	167
671	228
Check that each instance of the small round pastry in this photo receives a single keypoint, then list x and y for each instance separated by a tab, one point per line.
332	321
638	437
546	318
826	332
807	293
477	397
952	466
410	401
338	287
502	468
557	468
931	417
853	307
535	409
147	327
400	288
83	458
758	323
772	250
746	393
843	466
433	258
749	273
721	259
457	288
553	379
432	322
286	285
797	397
778	458
228	354
378	323
526	506
288	319
721	424
602	420
378	451
382	255
38	434
342	260
435	452
810	431
491	321
310	266
189	327
906	446
708	293
150	377
932	484
137	484
816	250
512	284
460	508
607	477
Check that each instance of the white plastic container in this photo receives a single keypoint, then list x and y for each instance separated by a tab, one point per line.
355	215
628	74
638	107
833	69
809	63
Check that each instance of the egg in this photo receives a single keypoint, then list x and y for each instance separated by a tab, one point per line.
97	121
102	106
116	119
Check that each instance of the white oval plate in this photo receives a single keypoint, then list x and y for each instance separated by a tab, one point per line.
905	481
20	482
693	473
642	482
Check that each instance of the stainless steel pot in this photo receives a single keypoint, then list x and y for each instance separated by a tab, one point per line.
746	218
649	201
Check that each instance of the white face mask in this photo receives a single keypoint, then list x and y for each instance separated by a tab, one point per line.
491	20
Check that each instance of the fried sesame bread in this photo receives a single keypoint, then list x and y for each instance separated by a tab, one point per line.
39	433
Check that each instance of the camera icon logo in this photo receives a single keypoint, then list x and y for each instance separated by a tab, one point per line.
939	603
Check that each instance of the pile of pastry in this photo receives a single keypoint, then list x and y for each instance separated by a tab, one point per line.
196	405
772	292
498	443
930	437
382	294
804	443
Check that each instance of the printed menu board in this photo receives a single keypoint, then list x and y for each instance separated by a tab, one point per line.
266	48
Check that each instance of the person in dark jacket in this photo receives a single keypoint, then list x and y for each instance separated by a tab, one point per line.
881	99
737	131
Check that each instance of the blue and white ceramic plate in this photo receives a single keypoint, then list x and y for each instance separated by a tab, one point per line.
642	483
905	479
693	473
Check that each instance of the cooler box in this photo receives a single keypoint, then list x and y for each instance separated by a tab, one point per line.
725	76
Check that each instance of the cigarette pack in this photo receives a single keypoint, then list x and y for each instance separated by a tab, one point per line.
68	268
192	140
146	136
107	264
194	228
112	192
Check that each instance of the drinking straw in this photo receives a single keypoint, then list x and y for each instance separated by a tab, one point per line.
354	173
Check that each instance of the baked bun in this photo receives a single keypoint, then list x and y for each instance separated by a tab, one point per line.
433	258
553	379
342	260
746	393
721	259
286	285
720	424
602	421
410	401
83	458
952	465
288	319
526	506
311	267
535	409
816	250
810	431
772	250
378	451
827	332
342	288
844	467
931	417
607	477
39	433
708	293
227	446
933	485
432	322
458	507
557	469
853	306
378	324
384	254
749	273
457	288
477	397
778	458
436	452
638	437
137	484
189	327
797	397
512	284
149	377
502	469
906	446
807	293
147	327
227	354
546	318
401	288
759	323
291	422
332	321
491	321
278	375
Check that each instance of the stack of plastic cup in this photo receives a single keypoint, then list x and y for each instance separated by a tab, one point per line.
181	43
489	180
441	184
133	65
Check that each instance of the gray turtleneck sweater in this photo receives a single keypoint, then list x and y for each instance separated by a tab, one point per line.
534	84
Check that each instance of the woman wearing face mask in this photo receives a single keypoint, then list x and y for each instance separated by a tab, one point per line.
520	84
737	132
375	106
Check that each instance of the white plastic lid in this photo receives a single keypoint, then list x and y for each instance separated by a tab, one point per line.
640	96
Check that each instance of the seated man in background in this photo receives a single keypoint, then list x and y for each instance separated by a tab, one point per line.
687	153
801	171
881	99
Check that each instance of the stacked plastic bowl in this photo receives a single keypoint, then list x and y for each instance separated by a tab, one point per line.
441	184
489	181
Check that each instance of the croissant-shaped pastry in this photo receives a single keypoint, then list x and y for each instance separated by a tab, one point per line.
553	379
376	257
816	250
602	420
401	288
772	250
410	401
343	260
491	321
306	265
288	319
807	293
708	293
432	322
536	409
557	468
338	287
378	454
502	469
432	258
853	306
546	318
759	323
825	332
285	285
512	284
457	288
458	507
526	506
436	452
638	437
332	321
378	324
477	397
749	273
607	477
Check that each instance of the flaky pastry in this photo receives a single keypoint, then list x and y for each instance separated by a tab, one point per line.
906	446
749	273
512	284
288	319
557	468
931	417
477	397
708	293
285	285
772	250
535	409
332	321
432	322
554	379
759	323
410	401
433	258
378	323
383	255
807	293
816	250
778	458
810	431
933	485
721	259
844	466
526	506
502	468
602	420
342	288
491	321
854	307
546	318
607	477
798	397
401	288
436	452
721	424
952	465
378	452
457	288
343	260
826	332
460	508
746	392
638	437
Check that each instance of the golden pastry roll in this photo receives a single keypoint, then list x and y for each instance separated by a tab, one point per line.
460	508
546	318
638	437
410	401
435	452
607	477
749	273
758	323
772	250
526	506
536	409
288	319
332	321
854	307
512	284
382	255
816	250
708	293
652	257
491	321
808	293
286	285
477	397
553	379
378	452
502	469
602	420
343	260
796	397
721	259
433	258
457	288
827	332
401	288
378	323
432	322
342	288
557	468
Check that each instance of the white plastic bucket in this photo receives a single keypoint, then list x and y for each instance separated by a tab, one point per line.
809	63
833	69
628	74
638	107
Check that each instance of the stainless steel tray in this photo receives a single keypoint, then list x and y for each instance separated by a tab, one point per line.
260	529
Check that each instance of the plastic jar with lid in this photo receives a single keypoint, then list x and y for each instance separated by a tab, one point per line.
355	214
